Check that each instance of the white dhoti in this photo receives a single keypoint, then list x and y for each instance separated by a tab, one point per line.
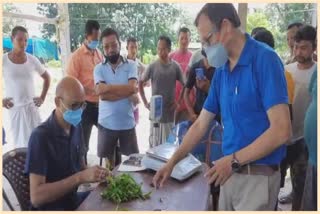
23	118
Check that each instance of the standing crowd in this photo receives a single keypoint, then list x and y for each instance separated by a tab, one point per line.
267	107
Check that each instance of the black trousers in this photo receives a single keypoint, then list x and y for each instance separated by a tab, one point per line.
89	118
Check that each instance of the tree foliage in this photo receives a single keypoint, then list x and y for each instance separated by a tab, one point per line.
10	23
146	22
276	17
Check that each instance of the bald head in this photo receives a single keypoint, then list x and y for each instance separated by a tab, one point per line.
69	87
70	91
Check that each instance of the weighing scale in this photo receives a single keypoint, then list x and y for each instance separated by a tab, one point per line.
157	157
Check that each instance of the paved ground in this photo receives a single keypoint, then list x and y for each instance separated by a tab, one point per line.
142	135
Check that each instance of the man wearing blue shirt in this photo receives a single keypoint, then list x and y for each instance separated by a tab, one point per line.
249	90
55	158
116	84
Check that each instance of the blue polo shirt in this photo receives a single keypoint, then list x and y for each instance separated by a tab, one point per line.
55	155
116	115
244	96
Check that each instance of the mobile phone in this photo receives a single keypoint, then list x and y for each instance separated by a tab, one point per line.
200	73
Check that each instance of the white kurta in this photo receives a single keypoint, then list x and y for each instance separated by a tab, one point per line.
19	85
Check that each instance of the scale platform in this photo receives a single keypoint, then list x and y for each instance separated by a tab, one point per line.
158	156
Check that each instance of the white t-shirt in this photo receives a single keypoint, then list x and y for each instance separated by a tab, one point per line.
301	98
19	79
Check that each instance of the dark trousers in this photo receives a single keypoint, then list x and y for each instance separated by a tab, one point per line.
297	160
309	200
89	118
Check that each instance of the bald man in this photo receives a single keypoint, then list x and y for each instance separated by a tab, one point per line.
55	159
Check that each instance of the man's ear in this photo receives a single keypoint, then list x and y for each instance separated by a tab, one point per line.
57	101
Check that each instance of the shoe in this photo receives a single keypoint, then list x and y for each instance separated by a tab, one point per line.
286	199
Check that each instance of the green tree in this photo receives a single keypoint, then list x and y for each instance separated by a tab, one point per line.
10	23
281	15
257	19
276	17
143	21
50	11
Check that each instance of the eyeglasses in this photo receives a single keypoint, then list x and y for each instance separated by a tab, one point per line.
75	106
206	42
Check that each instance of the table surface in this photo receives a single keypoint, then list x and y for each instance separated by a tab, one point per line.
189	195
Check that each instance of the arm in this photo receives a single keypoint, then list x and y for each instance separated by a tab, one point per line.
39	68
145	77
42	192
46	84
276	135
143	95
117	90
189	85
193	136
271	85
187	101
182	81
120	91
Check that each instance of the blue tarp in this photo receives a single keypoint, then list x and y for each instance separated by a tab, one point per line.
41	48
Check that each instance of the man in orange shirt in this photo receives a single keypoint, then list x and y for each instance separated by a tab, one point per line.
81	66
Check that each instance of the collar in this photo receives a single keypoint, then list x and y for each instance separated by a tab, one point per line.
56	129
247	51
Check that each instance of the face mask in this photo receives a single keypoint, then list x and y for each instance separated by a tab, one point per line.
93	44
72	117
217	55
113	58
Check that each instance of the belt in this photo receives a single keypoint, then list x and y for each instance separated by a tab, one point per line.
92	104
254	169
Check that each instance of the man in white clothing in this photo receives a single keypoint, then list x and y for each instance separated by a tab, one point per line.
19	68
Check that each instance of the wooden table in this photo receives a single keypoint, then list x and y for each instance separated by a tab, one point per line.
189	195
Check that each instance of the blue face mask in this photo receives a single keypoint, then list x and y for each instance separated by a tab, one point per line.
217	55
93	44
72	117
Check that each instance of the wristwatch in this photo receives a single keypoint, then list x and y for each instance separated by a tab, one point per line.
235	165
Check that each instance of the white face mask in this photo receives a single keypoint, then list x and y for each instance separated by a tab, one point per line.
217	55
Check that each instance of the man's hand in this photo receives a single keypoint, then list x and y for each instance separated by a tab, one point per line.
89	91
134	99
147	105
162	175
101	88
38	101
203	85
93	174
193	117
220	172
174	106
7	103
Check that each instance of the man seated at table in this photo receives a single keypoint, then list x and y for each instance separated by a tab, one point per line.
55	159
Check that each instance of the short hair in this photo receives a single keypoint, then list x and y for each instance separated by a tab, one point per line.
184	30
294	24
18	28
167	40
308	33
219	11
265	36
90	26
131	39
256	29
109	32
